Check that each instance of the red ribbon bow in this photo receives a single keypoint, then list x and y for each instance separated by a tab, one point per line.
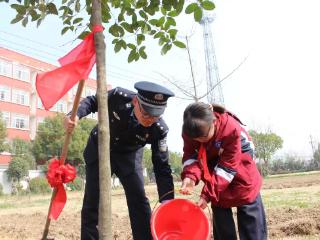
57	175
202	157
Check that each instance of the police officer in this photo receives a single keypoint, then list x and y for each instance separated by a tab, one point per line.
135	120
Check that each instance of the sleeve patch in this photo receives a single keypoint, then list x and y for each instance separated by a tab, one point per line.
163	147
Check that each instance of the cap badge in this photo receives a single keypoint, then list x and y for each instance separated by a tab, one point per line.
158	97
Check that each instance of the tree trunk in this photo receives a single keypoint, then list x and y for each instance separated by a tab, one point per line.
105	230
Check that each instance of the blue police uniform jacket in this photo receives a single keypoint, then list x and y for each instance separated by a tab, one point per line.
127	135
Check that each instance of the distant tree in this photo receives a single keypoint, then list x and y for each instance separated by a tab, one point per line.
50	137
176	163
316	157
20	147
266	144
3	134
17	169
147	162
174	158
79	141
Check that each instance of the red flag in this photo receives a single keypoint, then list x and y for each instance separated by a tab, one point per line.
75	66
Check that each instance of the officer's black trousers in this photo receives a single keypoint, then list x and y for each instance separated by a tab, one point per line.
127	166
251	222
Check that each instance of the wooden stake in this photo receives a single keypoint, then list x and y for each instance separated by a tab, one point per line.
64	151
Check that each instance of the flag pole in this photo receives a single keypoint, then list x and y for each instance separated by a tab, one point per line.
64	152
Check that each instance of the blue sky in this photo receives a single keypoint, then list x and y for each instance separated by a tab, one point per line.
276	88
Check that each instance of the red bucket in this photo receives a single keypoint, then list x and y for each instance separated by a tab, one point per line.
179	219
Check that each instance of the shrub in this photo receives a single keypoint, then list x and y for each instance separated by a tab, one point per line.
76	185
39	185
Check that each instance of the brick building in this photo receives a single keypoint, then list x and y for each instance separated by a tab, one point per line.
20	106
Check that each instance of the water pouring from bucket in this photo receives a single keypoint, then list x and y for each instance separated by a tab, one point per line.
180	219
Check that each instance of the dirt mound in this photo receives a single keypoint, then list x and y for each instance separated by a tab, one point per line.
293	222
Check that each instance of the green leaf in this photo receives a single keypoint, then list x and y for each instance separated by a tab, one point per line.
117	47
161	21
64	30
179	7
77	20
115	40
127	27
137	56
34	15
130	45
83	34
120	30
179	44
114	30
166	48
191	8
123	44
140	38
20	9
154	22
163	11
120	17
158	35
42	7
173	33
39	21
142	52
208	5
77	6
143	14
197	14
25	21
173	13
132	55
52	9
170	22
26	3
18	18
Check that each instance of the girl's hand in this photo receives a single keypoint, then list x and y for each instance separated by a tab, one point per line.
187	186
202	203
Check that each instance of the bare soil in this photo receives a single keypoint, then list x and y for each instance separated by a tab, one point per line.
26	220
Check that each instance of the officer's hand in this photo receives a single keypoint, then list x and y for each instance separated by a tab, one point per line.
69	125
202	203
187	186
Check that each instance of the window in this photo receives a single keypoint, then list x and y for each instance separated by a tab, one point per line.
20	121
5	93
5	68
6	118
20	97
21	73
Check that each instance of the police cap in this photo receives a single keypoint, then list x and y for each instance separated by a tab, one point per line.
152	97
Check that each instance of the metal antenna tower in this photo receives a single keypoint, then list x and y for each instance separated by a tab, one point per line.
214	89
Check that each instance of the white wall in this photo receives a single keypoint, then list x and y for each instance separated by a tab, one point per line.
7	185
4	182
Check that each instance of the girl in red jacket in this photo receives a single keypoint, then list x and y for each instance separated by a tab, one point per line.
219	151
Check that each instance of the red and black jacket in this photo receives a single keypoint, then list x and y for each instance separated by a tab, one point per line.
235	179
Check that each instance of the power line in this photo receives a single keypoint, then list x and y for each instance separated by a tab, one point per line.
31	40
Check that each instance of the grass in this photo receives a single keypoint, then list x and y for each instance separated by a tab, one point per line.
302	197
293	174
